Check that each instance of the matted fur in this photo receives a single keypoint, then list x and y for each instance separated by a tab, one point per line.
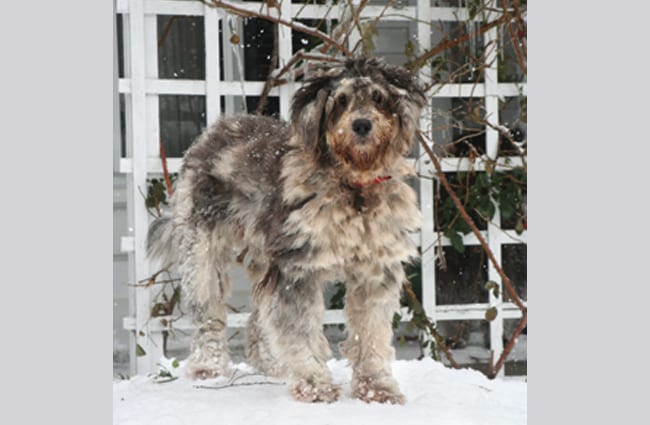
322	199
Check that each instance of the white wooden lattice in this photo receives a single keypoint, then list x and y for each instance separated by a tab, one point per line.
142	89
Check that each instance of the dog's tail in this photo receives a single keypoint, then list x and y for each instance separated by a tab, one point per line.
160	241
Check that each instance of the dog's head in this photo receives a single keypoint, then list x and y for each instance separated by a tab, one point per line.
360	115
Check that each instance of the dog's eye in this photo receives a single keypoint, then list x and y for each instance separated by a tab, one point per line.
342	101
377	97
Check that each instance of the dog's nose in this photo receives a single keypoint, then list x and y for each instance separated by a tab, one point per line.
361	126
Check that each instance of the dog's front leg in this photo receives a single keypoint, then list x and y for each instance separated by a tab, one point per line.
206	287
370	304
291	315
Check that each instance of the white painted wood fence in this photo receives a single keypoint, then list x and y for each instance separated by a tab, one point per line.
142	89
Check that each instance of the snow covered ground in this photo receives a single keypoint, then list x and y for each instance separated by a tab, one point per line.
435	395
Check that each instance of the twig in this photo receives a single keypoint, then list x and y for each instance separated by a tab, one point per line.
354	13
470	222
166	29
506	281
274	78
163	159
234	335
432	330
518	37
298	56
243	384
514	40
381	14
521	27
509	346
446	43
506	133
155	282
294	26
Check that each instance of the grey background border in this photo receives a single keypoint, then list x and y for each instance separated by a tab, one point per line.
588	290
56	211
587	259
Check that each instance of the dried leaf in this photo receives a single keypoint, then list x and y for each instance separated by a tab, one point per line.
491	314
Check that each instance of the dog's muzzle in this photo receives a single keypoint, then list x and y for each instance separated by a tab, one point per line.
361	127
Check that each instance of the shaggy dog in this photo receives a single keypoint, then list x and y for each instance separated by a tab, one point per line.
322	199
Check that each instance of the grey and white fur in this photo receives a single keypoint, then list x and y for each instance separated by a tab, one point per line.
321	199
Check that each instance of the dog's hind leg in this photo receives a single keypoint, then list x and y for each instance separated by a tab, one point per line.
371	300
258	350
206	287
290	316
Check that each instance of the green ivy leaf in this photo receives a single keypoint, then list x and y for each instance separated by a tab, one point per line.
506	211
176	296
462	226
519	227
175	363
409	49
456	241
491	285
139	351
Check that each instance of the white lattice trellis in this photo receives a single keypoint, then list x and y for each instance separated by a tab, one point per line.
142	89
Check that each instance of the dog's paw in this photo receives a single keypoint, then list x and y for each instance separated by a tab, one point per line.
200	366
199	372
311	392
383	390
205	370
208	361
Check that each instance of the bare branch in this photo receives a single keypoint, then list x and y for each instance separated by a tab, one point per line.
163	159
511	343
430	327
443	179
446	43
239	11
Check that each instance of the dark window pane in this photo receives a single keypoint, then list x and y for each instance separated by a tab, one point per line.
463	279
448	3
271	107
182	118
473	190
392	39
123	125
300	40
462	63
516	364
221	52
513	115
181	47
258	51
514	263
120	45
457	127
469	341
511	192
509	68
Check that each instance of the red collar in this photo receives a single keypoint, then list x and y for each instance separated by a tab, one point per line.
376	180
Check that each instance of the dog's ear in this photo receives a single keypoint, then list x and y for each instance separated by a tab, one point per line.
308	114
409	100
